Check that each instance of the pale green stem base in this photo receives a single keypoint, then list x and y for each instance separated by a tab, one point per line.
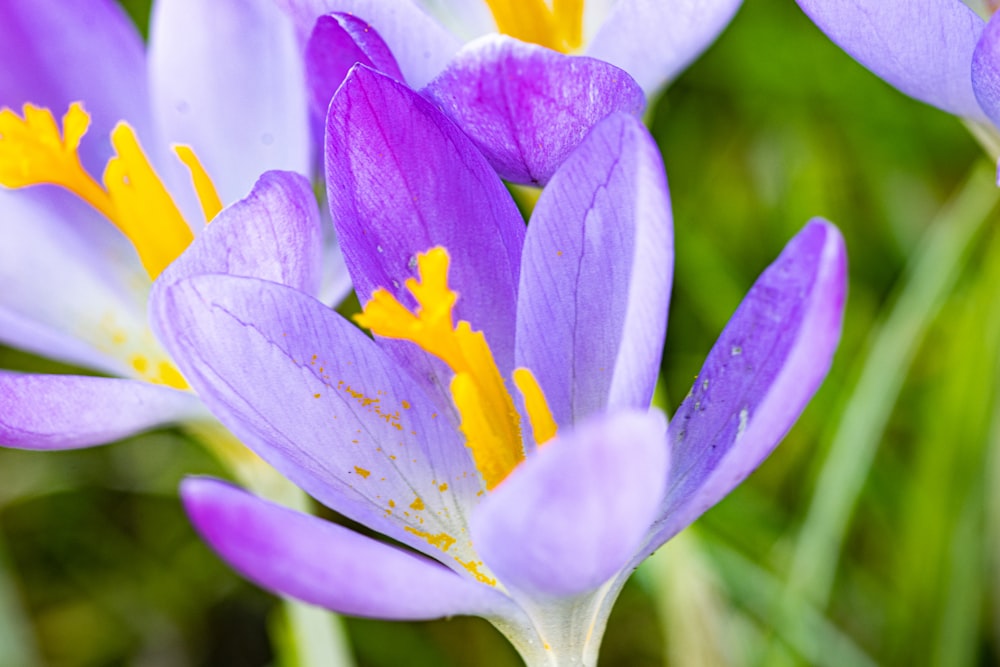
306	636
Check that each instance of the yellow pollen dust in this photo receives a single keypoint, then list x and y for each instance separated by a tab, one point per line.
33	151
489	420
558	25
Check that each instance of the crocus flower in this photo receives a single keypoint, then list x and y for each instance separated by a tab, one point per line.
498	424
225	77
938	51
523	101
652	40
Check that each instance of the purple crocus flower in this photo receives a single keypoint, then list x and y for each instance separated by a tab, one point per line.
519	96
225	77
938	51
652	40
498	424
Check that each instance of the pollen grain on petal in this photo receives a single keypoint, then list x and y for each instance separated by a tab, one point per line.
442	541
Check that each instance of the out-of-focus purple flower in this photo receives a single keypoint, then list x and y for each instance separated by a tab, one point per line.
938	51
225	78
495	85
527	507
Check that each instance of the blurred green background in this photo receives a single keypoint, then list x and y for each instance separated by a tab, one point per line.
869	537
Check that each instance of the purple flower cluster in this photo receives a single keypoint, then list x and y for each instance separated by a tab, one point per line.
496	424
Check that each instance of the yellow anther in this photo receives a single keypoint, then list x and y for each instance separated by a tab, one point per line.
542	424
208	197
144	210
558	27
33	151
489	419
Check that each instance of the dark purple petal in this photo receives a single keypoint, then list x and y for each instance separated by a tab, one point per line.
318	400
56	52
227	78
272	234
573	513
70	411
421	46
401	179
654	40
295	554
528	107
596	274
922	47
337	42
986	70
759	376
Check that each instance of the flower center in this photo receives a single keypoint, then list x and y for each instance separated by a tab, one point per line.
489	420
559	26
33	151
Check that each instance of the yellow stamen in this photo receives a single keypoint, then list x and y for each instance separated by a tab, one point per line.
542	424
558	27
34	152
489	419
144	210
208	197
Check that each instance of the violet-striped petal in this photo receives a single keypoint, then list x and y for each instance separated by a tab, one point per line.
527	107
402	178
574	512
227	78
654	40
73	287
421	46
759	376
291	553
70	411
337	42
56	52
986	70
922	47
312	395
596	275
273	234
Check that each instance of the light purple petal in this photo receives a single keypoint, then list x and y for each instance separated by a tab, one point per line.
72	284
421	46
292	553
527	107
654	40
401	178
759	376
272	234
70	411
986	70
56	52
317	399
228	79
335	282
465	19
596	275
573	513
337	42
922	47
